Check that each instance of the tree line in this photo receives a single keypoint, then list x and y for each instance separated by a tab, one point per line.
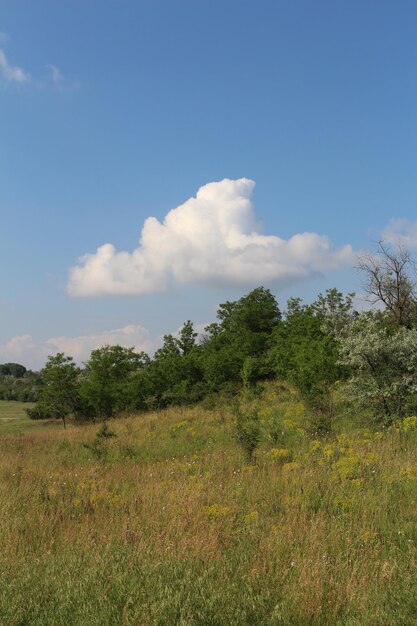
325	349
18	383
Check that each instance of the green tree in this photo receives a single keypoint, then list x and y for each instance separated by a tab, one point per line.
59	397
175	375
107	377
186	339
244	331
13	369
306	349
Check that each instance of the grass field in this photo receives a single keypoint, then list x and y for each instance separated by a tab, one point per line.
14	420
167	523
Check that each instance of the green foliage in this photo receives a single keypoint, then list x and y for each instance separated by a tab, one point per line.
59	397
38	412
115	379
306	352
248	432
98	447
104	432
383	362
250	372
106	379
243	332
175	375
248	344
18	383
186	339
12	369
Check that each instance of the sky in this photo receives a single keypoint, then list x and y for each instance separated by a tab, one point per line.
159	157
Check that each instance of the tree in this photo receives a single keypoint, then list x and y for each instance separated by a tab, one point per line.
244	330
175	375
106	379
335	311
13	369
383	362
60	395
186	339
389	280
251	319
306	348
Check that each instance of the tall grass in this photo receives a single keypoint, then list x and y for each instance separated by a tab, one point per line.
166	523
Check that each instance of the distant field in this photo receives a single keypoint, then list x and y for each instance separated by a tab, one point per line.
13	418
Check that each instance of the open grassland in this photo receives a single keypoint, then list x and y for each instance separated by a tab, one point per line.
14	419
167	523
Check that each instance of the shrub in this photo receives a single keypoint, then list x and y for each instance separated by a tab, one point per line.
38	412
248	432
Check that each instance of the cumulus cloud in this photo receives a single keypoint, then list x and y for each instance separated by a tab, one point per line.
401	231
33	354
11	73
213	238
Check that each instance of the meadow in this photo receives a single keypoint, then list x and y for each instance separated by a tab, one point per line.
161	519
13	417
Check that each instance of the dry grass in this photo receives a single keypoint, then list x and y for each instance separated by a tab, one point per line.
166	524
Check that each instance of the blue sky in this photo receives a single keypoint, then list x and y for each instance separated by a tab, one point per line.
114	112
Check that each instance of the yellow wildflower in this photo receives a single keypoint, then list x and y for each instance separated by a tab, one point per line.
280	455
347	467
291	467
251	517
367	535
217	511
409	423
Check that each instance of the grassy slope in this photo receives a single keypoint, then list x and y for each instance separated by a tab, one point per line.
167	523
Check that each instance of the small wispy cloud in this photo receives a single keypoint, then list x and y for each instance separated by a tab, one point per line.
58	81
52	78
12	73
55	74
401	231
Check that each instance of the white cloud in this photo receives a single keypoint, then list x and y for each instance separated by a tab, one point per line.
213	238
33	354
12	73
401	231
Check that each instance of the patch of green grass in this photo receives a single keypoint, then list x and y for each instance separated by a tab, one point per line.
14	420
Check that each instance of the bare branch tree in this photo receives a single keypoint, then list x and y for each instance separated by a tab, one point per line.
390	279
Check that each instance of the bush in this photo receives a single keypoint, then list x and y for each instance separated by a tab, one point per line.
38	412
248	432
